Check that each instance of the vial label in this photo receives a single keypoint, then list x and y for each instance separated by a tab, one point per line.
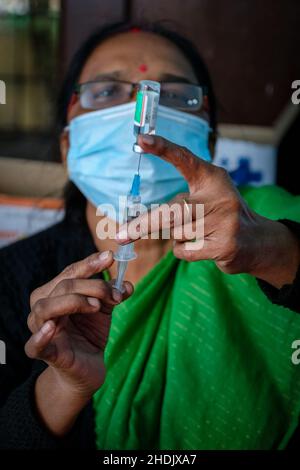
140	109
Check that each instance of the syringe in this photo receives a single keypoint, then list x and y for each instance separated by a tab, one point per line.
126	253
144	123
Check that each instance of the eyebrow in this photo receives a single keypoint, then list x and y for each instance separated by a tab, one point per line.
169	77
108	76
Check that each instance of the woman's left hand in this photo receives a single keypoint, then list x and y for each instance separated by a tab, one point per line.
223	227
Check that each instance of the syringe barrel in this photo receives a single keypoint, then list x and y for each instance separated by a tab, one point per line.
133	207
118	284
147	99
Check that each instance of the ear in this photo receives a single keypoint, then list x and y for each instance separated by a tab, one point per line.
64	144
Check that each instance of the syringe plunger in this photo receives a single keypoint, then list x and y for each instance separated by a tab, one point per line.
125	253
121	272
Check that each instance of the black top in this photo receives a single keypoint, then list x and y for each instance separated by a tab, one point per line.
24	266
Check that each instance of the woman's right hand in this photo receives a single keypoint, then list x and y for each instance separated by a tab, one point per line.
70	320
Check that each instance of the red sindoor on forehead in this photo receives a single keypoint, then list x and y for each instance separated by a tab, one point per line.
143	68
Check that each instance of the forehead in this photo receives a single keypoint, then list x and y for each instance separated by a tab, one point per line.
125	52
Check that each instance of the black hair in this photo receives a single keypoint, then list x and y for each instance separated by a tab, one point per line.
90	44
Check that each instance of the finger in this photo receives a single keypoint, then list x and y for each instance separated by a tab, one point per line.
85	268
180	211
193	168
128	289
121	296
38	345
191	231
196	250
89	287
56	307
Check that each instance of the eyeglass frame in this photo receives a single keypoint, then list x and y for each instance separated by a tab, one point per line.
134	85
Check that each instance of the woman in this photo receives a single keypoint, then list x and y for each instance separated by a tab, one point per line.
192	338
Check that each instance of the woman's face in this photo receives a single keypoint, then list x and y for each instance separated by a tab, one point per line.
133	56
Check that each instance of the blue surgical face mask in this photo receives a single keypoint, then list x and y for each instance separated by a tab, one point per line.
101	162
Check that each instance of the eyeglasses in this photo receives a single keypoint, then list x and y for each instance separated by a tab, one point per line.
100	94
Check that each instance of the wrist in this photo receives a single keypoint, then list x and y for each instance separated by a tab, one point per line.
58	402
277	253
76	391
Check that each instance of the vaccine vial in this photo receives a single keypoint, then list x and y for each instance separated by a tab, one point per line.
147	99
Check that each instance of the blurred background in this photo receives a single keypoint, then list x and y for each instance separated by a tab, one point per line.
252	50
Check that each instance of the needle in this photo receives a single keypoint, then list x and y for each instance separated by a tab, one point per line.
139	164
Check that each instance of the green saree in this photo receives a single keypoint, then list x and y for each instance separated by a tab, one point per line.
198	359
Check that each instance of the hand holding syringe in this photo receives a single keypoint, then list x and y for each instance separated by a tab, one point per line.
144	123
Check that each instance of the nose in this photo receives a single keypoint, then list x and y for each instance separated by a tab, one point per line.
134	92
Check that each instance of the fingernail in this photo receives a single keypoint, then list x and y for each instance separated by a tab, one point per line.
122	235
116	295
147	139
92	301
104	255
46	328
